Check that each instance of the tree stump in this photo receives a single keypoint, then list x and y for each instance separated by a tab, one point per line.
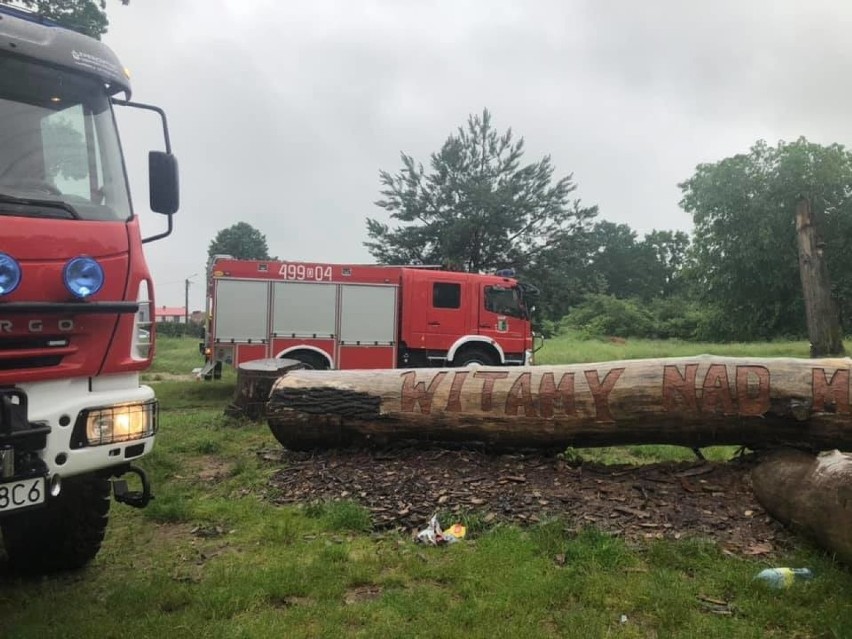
811	495
693	401
255	380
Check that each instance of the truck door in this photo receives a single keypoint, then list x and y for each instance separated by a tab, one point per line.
502	317
445	315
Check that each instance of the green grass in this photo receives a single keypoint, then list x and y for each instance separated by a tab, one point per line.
175	356
570	348
211	557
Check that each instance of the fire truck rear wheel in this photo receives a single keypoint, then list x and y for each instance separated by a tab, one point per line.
311	360
474	355
66	535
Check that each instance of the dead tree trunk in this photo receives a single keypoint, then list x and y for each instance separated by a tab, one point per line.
695	402
824	329
811	495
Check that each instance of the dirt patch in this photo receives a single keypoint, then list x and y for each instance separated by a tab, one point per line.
207	468
168	377
402	489
360	594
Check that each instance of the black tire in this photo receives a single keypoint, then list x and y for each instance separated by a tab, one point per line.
474	355
311	360
66	534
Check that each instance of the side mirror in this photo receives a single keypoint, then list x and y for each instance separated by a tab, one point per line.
163	182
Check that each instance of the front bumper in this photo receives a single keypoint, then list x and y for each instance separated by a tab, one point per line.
54	407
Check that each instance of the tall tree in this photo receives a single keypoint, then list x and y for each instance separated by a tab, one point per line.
240	240
746	261
647	269
85	16
669	255
478	208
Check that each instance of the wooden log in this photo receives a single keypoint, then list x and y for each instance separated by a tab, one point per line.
255	380
810	494
693	401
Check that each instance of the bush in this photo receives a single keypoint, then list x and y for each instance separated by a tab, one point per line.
608	316
605	315
175	329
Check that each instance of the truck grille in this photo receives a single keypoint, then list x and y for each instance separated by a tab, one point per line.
33	351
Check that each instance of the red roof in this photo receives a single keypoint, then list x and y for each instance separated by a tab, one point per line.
170	311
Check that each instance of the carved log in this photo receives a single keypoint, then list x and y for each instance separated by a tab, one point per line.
811	495
695	402
255	380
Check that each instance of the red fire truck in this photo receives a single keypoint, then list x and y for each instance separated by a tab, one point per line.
348	316
75	294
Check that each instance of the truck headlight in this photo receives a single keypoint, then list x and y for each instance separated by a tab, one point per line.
10	274
83	276
114	424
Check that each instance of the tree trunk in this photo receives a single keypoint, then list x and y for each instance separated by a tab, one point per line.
255	380
823	320
694	401
811	495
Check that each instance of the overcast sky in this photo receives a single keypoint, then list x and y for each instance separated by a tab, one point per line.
282	112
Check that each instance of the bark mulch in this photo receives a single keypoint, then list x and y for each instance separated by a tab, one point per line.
403	488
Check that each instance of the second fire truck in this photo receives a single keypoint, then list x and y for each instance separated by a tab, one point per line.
351	316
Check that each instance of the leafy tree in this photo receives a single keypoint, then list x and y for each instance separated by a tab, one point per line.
744	246
85	16
630	267
478	208
668	252
240	240
619	259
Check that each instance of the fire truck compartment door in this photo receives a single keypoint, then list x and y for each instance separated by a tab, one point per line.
242	310
304	310
368	315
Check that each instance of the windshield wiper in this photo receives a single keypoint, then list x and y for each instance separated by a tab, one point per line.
48	204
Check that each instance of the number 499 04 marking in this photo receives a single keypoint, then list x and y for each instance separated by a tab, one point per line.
305	272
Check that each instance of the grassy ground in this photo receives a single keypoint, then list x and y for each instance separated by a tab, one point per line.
210	557
567	349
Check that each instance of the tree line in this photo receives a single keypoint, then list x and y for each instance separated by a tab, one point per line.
477	206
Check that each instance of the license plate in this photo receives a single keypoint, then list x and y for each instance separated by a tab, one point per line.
21	493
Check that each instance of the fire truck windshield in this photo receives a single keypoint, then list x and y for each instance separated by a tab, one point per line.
59	149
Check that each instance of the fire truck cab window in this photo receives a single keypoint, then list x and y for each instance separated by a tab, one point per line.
446	295
58	143
504	301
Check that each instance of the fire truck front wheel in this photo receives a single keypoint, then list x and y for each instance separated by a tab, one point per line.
66	534
474	355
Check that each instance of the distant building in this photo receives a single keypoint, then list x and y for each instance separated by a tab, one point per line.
170	314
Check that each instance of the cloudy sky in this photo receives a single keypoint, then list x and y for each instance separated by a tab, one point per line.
283	112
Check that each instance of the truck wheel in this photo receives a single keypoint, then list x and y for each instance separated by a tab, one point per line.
311	360
66	534
474	355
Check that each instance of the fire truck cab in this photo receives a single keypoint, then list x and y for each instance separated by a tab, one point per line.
353	316
75	295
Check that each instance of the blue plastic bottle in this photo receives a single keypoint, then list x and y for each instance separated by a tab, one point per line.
783	577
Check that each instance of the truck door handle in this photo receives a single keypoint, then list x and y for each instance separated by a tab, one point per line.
485	326
434	323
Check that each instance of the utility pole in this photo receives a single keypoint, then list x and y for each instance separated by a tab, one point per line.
186	305
824	329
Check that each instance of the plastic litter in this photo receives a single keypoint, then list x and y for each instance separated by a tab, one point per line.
783	577
434	535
